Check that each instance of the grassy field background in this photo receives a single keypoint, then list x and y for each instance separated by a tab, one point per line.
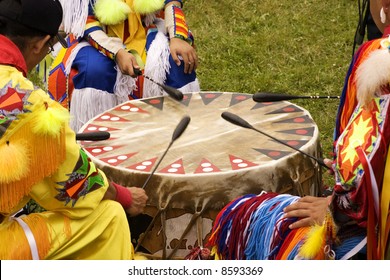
296	47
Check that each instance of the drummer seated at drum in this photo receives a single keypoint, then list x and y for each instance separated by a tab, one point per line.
40	159
360	200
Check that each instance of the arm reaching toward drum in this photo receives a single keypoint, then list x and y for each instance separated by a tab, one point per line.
309	209
133	199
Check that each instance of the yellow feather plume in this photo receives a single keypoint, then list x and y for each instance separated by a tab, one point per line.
14	161
49	121
150	6
111	12
314	242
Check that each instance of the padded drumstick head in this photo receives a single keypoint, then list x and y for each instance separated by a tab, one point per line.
93	136
172	92
272	97
234	119
181	127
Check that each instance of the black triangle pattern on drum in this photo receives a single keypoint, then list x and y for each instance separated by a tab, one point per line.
174	168
209	97
286	110
238	98
309	131
274	154
303	119
186	99
261	105
155	102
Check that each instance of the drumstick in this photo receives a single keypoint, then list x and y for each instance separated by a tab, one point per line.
93	136
172	92
234	119
176	134
272	97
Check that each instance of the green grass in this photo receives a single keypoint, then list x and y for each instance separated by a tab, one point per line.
296	47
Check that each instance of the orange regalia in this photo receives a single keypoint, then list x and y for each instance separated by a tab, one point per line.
41	160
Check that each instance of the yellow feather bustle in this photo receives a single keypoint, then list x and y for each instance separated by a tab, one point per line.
14	163
150	6
49	121
314	242
111	12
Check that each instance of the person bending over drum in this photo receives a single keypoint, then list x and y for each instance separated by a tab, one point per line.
109	40
40	159
354	221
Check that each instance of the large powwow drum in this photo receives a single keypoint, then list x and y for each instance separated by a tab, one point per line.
209	165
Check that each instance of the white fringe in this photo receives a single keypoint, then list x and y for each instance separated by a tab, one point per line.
87	103
191	87
149	19
73	54
373	73
75	16
124	85
157	63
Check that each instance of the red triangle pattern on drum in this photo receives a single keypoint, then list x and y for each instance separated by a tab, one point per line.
209	97
100	150
286	110
129	107
145	165
93	127
155	102
206	166
186	99
108	117
239	163
174	168
274	154
309	131
116	160
302	119
238	98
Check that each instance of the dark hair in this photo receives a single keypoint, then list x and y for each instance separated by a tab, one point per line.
17	32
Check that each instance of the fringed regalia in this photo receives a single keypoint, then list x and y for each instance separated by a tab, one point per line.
358	222
85	77
40	160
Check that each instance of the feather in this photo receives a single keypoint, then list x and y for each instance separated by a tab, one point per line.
16	164
372	74
314	242
150	6
111	12
49	121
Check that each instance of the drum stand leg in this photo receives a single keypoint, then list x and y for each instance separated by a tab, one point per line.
194	217
164	235
143	236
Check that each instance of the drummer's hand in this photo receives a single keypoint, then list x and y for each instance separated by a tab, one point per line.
179	47
328	163
126	62
310	210
138	203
